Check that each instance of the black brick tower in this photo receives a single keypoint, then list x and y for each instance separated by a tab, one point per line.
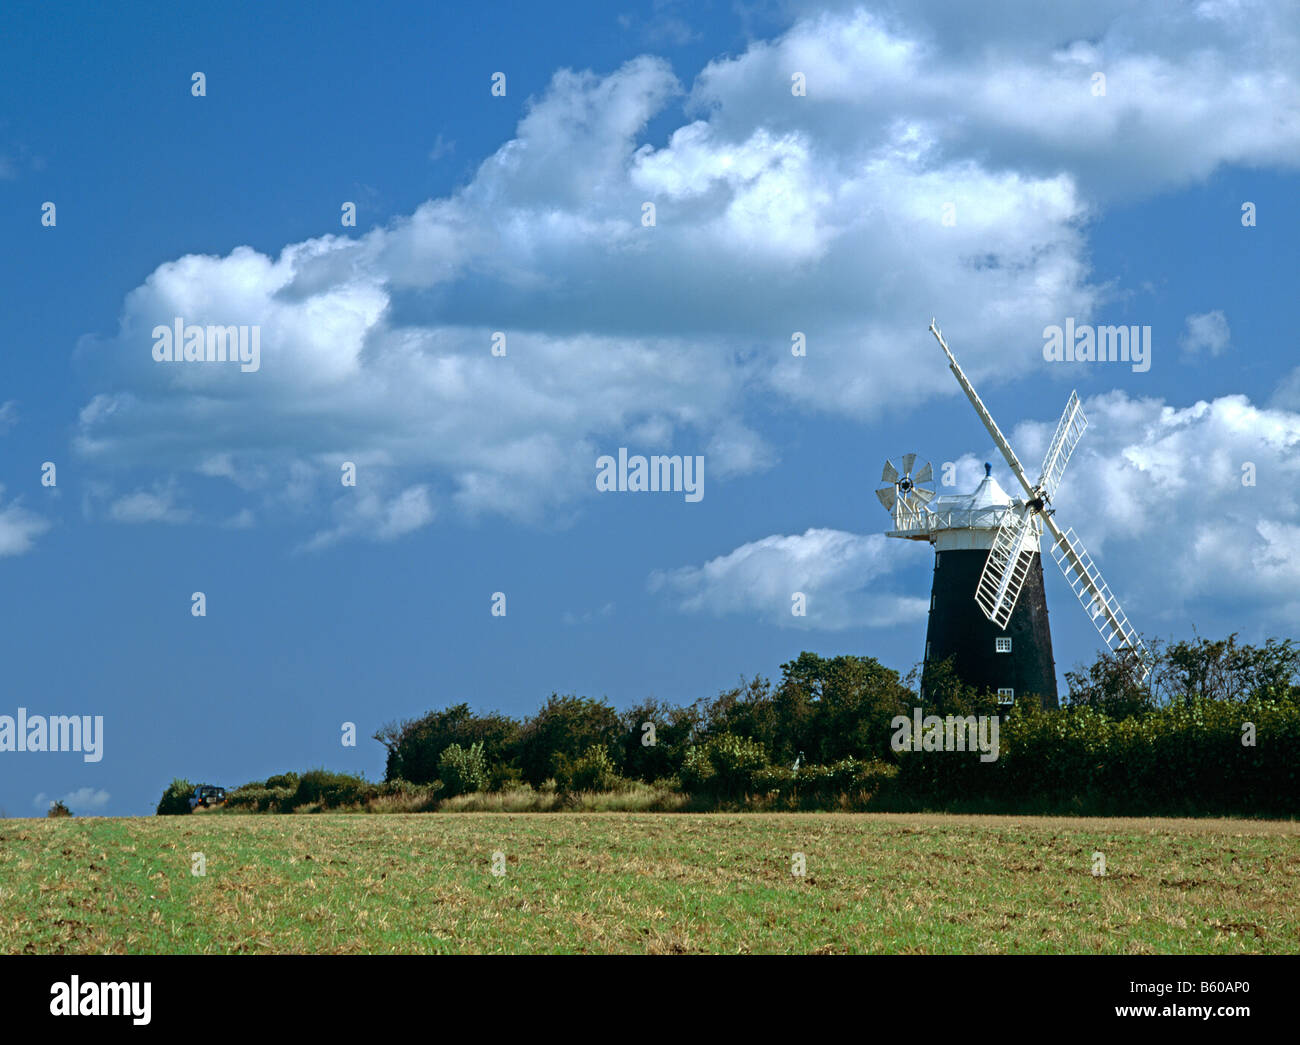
1022	661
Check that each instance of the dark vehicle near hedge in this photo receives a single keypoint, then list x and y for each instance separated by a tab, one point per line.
206	796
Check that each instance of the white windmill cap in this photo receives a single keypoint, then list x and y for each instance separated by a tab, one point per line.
989	493
981	509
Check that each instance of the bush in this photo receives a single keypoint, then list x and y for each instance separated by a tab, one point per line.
697	771
462	770
58	809
330	790
289	780
848	781
275	794
774	780
1184	759
258	798
402	796
505	778
723	767
175	800
593	771
402	789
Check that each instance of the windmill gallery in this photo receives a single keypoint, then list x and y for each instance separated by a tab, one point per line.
988	608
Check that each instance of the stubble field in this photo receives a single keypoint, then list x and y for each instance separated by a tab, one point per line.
656	883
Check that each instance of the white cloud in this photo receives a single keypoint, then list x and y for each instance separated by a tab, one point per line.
838	572
774	214
1184	94
1206	331
369	514
19	528
1146	476
145	506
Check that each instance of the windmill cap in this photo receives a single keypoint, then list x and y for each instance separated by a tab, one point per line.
981	507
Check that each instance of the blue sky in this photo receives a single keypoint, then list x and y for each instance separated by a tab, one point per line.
522	213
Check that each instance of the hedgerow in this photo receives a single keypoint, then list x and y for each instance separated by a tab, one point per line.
1213	728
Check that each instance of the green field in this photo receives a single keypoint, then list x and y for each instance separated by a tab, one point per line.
658	883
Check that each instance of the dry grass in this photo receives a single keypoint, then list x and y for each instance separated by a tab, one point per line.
636	797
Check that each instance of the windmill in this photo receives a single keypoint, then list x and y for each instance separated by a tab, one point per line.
988	543
1017	538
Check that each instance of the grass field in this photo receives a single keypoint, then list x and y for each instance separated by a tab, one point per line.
648	883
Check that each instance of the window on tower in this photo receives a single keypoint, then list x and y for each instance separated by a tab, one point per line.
1003	644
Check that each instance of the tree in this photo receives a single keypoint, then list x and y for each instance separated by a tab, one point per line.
851	701
566	726
674	727
175	800
1113	684
943	692
416	745
723	766
755	710
1223	669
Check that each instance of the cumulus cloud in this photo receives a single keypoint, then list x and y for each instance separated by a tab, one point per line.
1213	488
1185	506
823	214
1206	332
839	573
1187	89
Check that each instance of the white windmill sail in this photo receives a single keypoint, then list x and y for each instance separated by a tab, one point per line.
999	440
1007	566
1068	433
1095	596
1011	556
